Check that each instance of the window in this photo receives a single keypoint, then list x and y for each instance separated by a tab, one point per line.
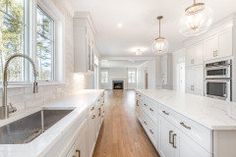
45	45
104	77
131	76
13	36
18	25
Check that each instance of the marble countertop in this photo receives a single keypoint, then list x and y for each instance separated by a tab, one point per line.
212	113
80	102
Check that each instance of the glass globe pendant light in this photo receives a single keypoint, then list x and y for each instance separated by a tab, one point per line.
160	44
196	20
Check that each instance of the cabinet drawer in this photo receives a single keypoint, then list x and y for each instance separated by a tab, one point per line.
200	134
151	129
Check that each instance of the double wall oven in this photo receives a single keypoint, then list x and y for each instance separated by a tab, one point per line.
218	78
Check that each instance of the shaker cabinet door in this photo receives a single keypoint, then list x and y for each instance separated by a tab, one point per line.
187	148
169	139
211	47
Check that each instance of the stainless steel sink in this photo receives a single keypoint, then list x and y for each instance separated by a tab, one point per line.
28	128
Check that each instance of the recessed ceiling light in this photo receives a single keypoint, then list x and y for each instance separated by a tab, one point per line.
119	25
139	52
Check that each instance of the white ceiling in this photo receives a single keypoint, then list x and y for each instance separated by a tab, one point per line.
138	18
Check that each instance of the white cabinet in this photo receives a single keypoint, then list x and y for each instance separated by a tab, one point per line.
225	43
168	137
219	45
79	148
172	134
84	44
211	47
88	131
187	147
194	80
194	54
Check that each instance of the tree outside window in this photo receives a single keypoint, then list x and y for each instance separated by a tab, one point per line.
12	36
45	45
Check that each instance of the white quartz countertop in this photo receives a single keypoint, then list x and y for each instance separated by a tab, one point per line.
212	113
80	102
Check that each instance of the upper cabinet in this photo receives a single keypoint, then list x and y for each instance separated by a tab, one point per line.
194	54
219	45
84	44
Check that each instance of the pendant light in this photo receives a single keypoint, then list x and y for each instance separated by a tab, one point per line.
160	44
196	20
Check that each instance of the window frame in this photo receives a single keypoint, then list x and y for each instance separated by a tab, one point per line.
133	80
25	45
30	16
59	32
53	72
107	77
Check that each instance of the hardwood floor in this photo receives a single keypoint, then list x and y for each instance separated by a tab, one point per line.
121	134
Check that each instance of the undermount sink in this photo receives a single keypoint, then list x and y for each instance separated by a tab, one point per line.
28	128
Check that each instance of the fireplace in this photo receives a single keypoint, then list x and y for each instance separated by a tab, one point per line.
118	84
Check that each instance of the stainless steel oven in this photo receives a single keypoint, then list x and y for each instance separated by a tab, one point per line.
218	79
217	70
219	88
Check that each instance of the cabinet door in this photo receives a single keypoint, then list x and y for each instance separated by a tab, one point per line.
189	56
164	62
189	80
166	139
198	80
194	54
194	80
82	142
211	47
225	43
187	148
198	53
91	132
72	152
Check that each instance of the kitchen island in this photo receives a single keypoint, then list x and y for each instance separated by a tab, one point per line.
186	125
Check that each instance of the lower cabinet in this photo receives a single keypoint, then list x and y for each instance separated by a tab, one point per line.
187	147
168	133
88	133
79	148
168	139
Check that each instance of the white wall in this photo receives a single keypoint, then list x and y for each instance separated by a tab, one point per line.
150	68
117	74
177	57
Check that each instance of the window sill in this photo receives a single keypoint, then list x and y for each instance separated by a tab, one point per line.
25	85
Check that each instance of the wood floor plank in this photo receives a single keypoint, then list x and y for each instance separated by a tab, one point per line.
121	134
